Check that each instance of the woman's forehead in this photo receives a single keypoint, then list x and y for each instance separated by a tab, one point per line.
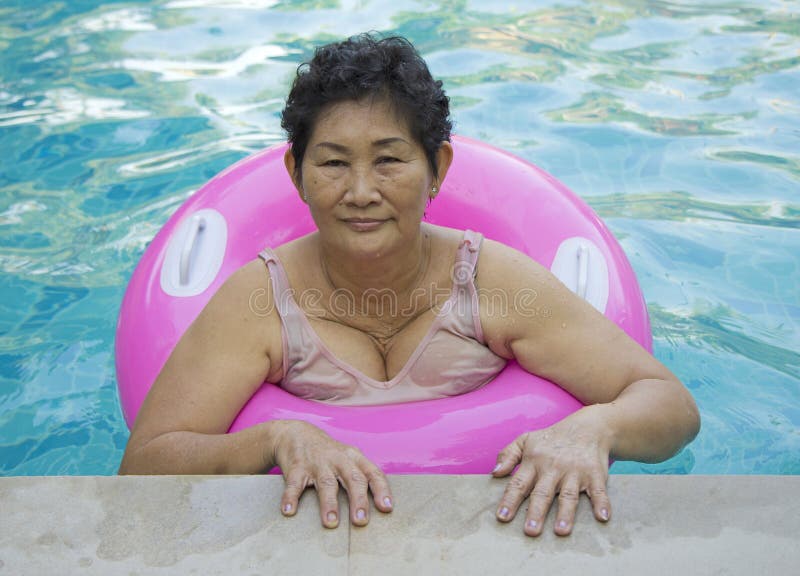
369	118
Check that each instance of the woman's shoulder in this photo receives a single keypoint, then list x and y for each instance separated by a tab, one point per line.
247	294
244	308
504	267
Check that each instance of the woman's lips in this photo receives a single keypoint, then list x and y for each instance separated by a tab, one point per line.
363	224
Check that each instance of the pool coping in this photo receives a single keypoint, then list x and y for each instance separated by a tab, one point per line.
440	525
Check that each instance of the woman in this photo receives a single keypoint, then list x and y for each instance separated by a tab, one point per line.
370	132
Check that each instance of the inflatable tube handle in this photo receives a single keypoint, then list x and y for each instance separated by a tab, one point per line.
198	224
583	269
580	265
194	253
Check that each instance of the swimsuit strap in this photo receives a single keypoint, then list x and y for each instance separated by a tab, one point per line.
467	258
467	308
282	291
292	325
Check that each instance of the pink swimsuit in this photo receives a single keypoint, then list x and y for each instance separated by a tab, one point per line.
451	359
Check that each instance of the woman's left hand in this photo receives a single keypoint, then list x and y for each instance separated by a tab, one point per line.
566	459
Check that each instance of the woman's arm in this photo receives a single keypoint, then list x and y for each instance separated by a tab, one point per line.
249	451
219	363
636	409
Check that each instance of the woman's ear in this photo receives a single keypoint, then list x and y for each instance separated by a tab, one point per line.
288	161
444	157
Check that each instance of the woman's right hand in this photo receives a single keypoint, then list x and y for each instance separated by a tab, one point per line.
307	456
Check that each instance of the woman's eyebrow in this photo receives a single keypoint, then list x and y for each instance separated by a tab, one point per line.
337	147
388	142
382	143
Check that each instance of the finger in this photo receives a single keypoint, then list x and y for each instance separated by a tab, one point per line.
356	485
516	491
378	483
509	457
568	497
296	483
601	504
541	499
327	486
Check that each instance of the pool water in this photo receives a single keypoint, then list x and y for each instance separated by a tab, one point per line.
677	121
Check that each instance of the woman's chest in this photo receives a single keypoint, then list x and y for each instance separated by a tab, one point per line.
380	350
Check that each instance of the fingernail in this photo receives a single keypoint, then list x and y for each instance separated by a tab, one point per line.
287	508
387	502
360	514
503	512
562	524
533	524
604	514
331	517
496	468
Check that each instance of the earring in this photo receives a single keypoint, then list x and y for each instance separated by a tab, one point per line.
434	191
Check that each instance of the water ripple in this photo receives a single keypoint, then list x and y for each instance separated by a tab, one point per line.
681	206
677	121
170	161
176	70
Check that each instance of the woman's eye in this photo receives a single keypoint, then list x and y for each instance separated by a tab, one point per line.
387	159
333	163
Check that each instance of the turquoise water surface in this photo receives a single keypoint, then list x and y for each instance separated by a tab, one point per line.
677	121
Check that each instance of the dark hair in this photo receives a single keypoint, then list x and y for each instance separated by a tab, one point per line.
368	67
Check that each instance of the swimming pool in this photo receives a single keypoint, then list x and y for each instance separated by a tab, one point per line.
678	122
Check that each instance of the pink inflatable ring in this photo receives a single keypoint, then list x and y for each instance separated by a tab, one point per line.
253	204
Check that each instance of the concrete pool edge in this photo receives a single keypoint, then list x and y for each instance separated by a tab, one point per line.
441	524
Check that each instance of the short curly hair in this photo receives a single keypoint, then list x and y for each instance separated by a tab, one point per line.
366	66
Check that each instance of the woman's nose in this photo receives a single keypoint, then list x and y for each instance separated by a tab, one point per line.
362	190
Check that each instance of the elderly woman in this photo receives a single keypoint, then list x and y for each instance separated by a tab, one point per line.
369	131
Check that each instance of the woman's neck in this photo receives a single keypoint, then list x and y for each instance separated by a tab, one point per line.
375	283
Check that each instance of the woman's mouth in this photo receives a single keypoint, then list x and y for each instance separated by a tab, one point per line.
363	224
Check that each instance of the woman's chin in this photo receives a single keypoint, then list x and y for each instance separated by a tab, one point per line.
371	246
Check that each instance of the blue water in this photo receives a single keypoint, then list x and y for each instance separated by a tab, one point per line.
678	121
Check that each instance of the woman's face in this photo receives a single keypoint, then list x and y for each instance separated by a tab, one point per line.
365	178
